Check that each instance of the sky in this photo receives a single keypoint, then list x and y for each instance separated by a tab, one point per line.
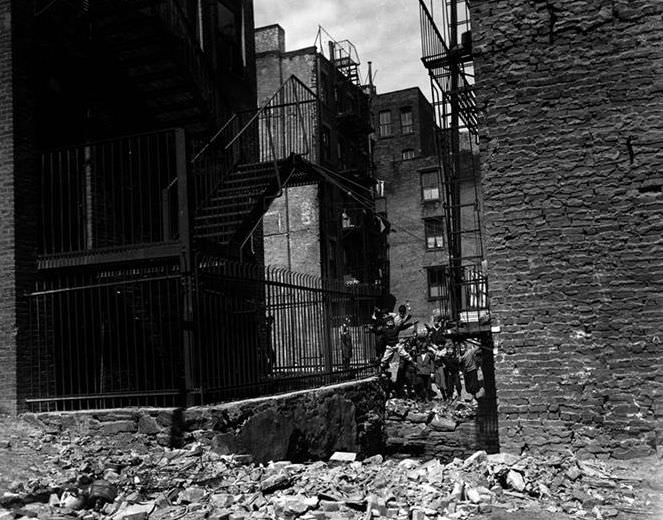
385	32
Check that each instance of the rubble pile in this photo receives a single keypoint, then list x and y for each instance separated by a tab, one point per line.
443	429
198	483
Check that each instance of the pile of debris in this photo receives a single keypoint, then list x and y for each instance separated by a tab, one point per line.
198	483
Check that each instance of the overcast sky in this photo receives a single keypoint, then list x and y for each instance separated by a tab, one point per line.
385	32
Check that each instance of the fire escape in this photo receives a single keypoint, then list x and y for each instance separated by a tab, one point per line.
447	55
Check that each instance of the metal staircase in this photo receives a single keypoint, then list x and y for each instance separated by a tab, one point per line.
230	206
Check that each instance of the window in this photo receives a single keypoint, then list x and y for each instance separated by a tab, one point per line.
407	154
430	185
434	231
229	39
407	125
384	129
437	289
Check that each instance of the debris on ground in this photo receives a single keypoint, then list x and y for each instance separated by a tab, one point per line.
79	477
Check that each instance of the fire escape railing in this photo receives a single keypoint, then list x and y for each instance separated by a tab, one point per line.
285	124
435	57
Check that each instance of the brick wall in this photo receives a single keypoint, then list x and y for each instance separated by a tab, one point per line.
570	143
18	188
292	229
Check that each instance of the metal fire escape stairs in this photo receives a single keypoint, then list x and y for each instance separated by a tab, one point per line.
249	161
447	55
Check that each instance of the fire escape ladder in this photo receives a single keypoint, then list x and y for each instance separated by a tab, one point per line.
447	55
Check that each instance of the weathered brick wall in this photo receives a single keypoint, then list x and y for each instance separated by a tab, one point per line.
18	195
292	231
571	140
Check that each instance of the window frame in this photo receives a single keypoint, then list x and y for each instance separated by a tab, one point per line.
407	128
434	221
385	129
425	188
439	272
407	154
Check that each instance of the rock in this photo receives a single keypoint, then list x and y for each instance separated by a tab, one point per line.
115	427
192	495
573	473
222	500
442	424
134	512
507	459
342	457
418	417
515	480
375	459
472	495
102	490
72	501
148	425
476	458
278	481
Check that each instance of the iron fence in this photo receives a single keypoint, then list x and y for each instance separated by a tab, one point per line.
290	327
106	338
110	193
117	337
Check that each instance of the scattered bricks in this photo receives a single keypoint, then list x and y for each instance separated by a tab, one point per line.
271	484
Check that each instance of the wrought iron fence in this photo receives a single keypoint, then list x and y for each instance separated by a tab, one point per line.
110	193
118	337
106	338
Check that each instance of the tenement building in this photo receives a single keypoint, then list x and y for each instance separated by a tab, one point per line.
409	174
138	163
325	223
571	145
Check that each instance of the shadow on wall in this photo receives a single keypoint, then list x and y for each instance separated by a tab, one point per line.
487	436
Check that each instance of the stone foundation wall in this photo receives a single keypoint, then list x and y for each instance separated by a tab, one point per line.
299	426
439	429
571	142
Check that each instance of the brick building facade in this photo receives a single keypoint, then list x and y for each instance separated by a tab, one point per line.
324	225
571	165
407	161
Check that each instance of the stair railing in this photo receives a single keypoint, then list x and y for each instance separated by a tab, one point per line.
255	141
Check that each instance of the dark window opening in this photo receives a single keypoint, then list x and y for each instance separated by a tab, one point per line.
437	289
407	124
229	39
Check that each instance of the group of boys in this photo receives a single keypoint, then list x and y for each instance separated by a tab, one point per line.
427	356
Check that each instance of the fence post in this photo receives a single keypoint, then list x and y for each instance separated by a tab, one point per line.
186	268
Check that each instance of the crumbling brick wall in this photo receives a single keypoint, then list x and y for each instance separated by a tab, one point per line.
571	139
